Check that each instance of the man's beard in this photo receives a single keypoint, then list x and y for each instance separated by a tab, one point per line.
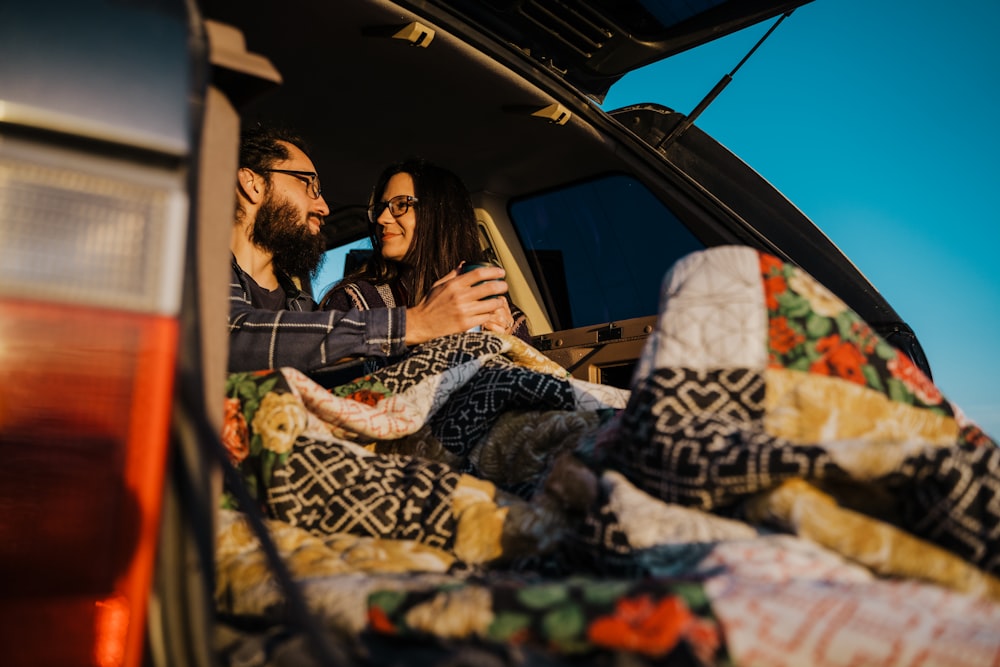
295	249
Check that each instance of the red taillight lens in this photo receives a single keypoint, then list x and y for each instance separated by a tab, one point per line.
91	257
84	422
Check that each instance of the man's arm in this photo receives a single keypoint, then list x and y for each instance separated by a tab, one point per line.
307	340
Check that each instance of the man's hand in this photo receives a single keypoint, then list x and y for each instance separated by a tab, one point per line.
455	303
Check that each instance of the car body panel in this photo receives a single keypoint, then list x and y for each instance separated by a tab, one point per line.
593	43
116	72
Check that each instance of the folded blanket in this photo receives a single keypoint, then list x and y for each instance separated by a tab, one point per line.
757	374
776	482
311	456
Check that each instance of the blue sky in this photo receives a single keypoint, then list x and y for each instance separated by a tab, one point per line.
880	121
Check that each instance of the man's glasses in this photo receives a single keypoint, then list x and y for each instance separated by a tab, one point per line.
310	178
397	206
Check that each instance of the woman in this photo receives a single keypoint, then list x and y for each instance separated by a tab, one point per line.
422	227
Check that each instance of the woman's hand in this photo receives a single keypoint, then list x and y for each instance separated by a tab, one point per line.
501	320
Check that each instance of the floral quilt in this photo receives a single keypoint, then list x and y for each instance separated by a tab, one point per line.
779	486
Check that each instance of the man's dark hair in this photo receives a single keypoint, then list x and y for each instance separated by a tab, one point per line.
295	250
260	146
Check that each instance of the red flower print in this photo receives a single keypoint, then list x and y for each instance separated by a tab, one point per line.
703	637
774	286
973	435
235	434
865	338
379	620
782	337
643	625
366	396
840	359
769	264
913	379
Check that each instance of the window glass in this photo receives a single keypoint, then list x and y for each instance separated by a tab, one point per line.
600	249
335	263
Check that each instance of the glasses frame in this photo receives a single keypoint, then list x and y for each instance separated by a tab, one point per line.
310	178
398	206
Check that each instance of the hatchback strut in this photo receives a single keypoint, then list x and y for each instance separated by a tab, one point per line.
712	94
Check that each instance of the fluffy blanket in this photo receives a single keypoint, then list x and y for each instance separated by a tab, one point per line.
779	487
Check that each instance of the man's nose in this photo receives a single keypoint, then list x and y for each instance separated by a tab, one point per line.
321	207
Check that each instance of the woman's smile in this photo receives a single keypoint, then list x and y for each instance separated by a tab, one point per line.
397	231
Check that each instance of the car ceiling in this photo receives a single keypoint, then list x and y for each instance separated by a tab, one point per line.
363	100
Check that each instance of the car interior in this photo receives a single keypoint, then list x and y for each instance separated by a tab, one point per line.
551	176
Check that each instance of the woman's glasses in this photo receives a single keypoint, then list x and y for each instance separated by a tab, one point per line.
397	206
310	178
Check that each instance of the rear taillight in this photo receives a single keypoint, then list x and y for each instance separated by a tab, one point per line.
90	276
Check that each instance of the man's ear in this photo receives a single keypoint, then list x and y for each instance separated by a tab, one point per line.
250	184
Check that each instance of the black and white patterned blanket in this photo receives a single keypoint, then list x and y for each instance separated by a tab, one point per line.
777	477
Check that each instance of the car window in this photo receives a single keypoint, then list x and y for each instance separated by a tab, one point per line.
600	249
338	261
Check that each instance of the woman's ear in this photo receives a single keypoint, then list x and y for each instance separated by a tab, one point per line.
250	185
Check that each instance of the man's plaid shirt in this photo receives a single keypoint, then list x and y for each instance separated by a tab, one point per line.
302	336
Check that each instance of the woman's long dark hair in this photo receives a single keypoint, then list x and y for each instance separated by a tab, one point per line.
446	233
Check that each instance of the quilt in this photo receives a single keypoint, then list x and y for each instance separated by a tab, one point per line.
779	486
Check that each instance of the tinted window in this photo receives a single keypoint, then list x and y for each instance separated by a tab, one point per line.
600	249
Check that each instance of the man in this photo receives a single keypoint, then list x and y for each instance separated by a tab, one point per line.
276	234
